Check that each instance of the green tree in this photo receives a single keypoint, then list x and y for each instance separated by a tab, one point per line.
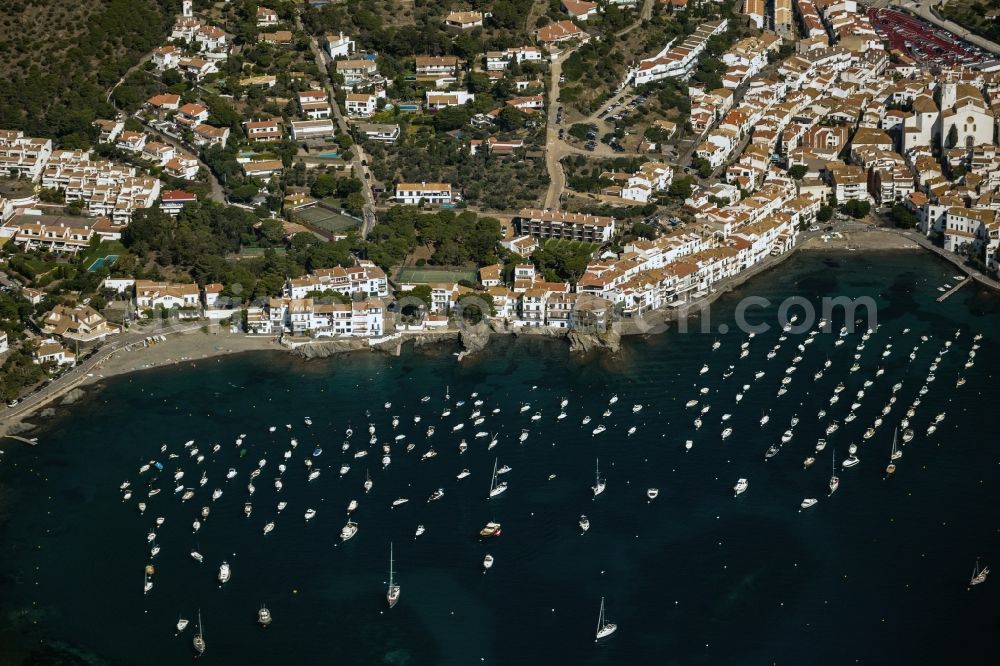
856	208
798	171
509	119
902	216
703	167
681	187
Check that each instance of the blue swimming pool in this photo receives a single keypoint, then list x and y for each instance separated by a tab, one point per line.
103	261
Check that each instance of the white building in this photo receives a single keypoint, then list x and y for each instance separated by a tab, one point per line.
339	46
23	156
167	295
312	129
431	193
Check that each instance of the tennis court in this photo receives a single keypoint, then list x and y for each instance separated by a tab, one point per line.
425	274
328	220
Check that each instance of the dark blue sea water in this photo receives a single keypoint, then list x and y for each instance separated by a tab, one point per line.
877	574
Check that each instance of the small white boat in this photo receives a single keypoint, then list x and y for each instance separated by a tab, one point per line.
691	403
348	531
225	572
808	502
652	493
268	528
740	487
584	523
636	408
352	506
464	473
487	562
420	530
598	430
850	462
310	514
399	501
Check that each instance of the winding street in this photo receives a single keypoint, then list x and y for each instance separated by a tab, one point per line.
358	163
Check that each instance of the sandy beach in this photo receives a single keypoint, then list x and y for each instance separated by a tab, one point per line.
181	348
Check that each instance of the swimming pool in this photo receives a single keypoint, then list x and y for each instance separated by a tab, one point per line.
103	261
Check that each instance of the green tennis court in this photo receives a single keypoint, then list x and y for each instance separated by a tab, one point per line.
436	274
328	219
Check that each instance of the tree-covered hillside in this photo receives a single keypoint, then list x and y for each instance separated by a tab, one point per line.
59	58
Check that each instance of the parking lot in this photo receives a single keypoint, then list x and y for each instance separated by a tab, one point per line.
924	42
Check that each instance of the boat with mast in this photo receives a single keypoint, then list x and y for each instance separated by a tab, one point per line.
199	638
890	469
604	628
979	575
834	479
599	483
496	488
392	594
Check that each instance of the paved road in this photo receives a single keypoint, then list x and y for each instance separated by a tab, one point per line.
217	192
79	373
322	60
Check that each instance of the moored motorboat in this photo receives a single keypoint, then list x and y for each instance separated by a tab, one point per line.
492	529
740	487
348	531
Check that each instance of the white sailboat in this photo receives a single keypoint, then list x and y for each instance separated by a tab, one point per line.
392	595
599	483
979	575
890	469
604	628
834	479
496	488
199	639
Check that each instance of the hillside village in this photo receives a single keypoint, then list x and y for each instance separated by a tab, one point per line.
303	172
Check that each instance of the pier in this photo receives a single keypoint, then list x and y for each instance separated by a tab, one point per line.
953	290
30	442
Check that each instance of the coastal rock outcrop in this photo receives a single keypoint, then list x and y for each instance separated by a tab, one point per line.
475	338
47	412
20	427
585	341
73	395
